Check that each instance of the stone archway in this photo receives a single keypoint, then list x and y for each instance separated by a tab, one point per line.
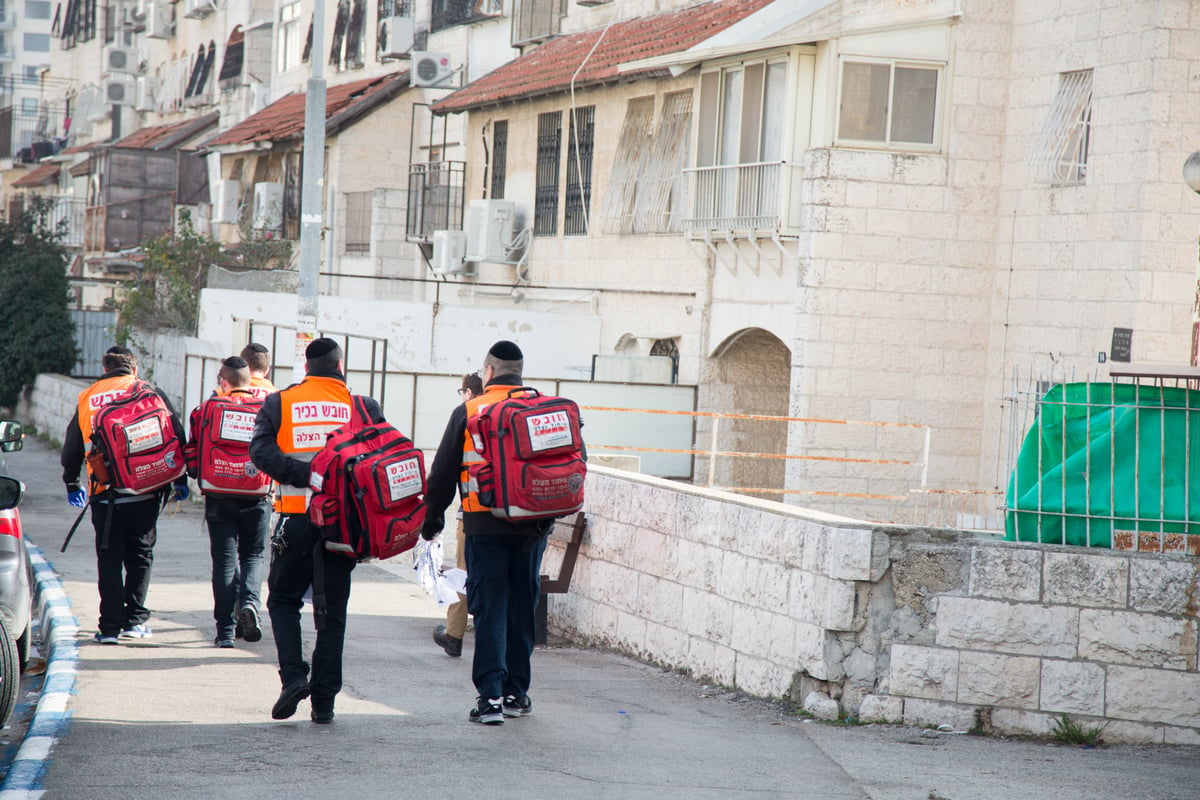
748	373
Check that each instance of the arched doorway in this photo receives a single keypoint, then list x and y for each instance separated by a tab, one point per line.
748	373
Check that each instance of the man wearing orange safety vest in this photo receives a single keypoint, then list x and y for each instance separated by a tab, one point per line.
124	556
258	357
290	429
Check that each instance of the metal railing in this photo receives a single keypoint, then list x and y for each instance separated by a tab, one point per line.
435	199
740	196
68	216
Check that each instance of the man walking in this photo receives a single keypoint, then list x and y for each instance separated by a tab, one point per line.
237	508
503	558
126	526
290	429
258	358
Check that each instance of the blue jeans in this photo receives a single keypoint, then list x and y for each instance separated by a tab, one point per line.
503	583
237	533
290	578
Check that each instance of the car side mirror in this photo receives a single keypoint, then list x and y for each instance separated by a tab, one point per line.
11	490
12	435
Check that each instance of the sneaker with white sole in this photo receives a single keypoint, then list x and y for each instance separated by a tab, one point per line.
514	706
487	711
107	638
137	632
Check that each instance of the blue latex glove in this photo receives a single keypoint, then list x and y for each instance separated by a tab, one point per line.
77	498
181	492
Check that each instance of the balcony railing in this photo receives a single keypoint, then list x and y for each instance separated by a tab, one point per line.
435	199
744	197
8	18
68	215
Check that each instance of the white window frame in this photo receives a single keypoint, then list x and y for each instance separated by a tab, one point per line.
291	36
713	139
1060	153
887	143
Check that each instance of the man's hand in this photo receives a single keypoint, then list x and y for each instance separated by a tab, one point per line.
76	496
181	492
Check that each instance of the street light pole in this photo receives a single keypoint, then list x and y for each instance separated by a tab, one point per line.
312	181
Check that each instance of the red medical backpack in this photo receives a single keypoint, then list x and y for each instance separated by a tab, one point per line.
137	442
218	452
532	448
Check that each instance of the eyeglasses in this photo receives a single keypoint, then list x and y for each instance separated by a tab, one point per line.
463	392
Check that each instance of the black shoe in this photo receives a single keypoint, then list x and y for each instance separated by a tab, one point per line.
289	698
322	716
247	623
489	712
451	644
517	706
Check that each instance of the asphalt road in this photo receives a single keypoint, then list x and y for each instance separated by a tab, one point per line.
175	717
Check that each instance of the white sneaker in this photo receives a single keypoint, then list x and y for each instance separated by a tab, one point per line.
137	632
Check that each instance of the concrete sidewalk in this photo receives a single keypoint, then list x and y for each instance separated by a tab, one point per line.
174	717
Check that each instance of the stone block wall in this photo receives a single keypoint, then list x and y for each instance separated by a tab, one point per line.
923	626
51	404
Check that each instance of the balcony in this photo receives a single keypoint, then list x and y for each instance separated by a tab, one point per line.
746	198
435	199
448	13
8	18
68	217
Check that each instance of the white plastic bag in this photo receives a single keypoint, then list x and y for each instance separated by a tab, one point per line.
427	561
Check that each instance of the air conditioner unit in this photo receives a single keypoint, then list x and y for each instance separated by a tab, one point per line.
147	94
160	20
490	229
119	59
198	9
430	69
268	207
450	254
135	19
395	36
226	202
120	90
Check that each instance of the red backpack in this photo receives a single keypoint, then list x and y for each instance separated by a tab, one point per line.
367	484
135	440
218	452
532	448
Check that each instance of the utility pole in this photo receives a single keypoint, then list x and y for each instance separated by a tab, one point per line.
311	192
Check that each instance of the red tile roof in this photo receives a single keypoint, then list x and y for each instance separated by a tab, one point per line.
284	119
165	137
42	175
549	68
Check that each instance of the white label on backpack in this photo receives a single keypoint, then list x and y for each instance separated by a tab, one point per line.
316	481
144	435
236	425
403	479
547	431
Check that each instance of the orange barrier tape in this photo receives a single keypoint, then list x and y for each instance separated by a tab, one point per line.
755	416
755	455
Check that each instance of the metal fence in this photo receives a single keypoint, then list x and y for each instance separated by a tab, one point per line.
93	335
740	196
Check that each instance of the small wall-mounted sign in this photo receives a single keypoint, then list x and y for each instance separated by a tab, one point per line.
1122	344
1102	356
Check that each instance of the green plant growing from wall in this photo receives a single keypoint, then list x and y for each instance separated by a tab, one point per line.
1069	731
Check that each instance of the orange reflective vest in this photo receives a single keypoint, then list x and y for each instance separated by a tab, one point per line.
261	387
468	489
94	398
308	412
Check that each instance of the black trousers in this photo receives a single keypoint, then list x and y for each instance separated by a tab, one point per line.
289	579
123	559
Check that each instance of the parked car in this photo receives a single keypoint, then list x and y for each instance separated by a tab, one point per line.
15	581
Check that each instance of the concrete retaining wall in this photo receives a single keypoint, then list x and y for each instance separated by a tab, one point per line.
886	623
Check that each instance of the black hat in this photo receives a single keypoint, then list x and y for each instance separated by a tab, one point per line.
320	347
505	350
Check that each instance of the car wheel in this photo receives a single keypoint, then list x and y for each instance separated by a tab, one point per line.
23	648
10	674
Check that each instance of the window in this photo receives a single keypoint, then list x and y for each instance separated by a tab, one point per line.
549	147
289	36
37	9
1060	153
888	102
645	190
346	50
448	13
499	157
37	43
579	171
29	105
235	54
535	20
358	222
79	22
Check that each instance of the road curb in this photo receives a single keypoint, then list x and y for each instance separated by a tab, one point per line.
59	626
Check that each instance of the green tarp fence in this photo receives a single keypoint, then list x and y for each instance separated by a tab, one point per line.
1105	457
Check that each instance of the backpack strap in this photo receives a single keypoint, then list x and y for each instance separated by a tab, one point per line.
360	404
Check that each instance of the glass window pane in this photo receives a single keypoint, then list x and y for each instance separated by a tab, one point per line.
913	105
37	9
37	42
774	105
863	113
731	120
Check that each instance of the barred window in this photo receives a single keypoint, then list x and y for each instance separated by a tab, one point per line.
499	157
549	147
1060	153
358	222
579	171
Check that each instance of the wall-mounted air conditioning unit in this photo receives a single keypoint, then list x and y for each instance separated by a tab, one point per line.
160	19
134	18
198	9
395	36
147	93
490	229
226	202
450	254
120	59
430	69
268	207
120	90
